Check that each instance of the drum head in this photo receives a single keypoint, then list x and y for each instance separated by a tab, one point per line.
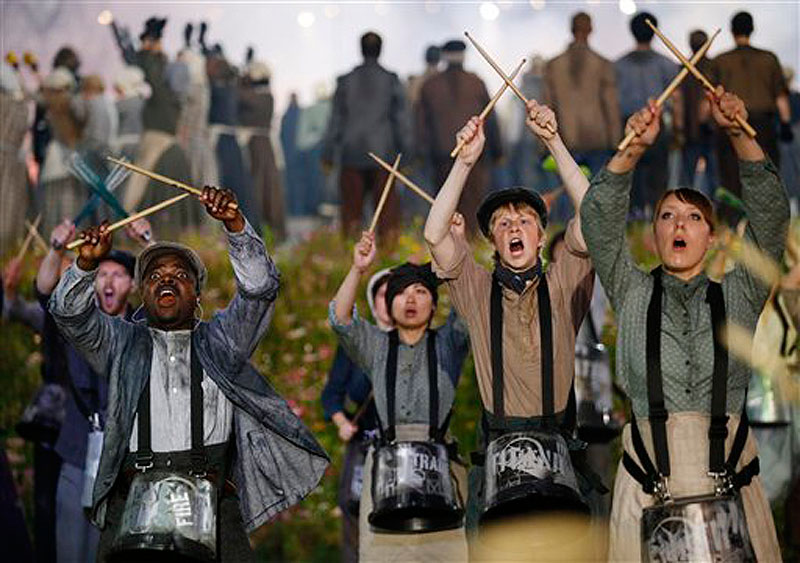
409	519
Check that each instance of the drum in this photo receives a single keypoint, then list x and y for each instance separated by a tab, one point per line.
168	512
412	490
701	529
529	472
593	394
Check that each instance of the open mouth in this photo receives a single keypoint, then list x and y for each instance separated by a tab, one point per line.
411	312
516	245
166	296
108	296
678	244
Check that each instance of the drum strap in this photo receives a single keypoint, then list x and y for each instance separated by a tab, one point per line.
436	433
144	454
647	475
545	347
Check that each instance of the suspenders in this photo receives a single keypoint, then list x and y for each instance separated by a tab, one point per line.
436	433
653	477
144	454
545	344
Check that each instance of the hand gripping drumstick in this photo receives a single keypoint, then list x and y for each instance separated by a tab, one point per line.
489	107
165	180
400	176
699	75
502	74
143	213
672	86
385	194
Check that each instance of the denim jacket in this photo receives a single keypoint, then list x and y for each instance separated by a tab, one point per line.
278	460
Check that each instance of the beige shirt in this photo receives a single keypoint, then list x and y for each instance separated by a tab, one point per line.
570	279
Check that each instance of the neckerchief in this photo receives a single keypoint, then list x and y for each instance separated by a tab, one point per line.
516	281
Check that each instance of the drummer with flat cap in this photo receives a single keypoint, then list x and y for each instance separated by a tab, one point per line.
522	322
199	450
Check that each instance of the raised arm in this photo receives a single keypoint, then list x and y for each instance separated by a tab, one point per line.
763	194
437	227
363	257
74	306
575	183
604	209
50	269
246	318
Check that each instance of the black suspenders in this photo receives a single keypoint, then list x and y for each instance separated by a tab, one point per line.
724	471
435	432
545	346
144	453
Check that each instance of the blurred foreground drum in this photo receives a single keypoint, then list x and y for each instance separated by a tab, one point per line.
698	529
412	490
168	514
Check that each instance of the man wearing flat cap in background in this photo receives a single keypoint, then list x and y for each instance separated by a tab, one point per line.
448	100
185	404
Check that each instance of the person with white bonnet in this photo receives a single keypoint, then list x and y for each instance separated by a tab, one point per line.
13	187
131	90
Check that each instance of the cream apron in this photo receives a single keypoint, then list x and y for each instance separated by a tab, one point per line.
448	545
687	436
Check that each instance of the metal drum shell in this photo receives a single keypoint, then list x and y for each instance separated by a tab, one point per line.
701	529
168	512
529	472
412	489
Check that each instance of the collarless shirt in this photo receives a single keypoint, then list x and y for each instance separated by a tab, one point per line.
368	346
687	346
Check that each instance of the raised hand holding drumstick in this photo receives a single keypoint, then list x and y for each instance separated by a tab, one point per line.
472	140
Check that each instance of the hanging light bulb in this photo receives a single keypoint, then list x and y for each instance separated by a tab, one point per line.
489	11
627	7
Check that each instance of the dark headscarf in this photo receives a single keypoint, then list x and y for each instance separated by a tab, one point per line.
407	274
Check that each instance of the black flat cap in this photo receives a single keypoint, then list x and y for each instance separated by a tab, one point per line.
454	46
509	195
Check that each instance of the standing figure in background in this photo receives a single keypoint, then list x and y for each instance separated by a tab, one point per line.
643	74
311	126
756	76
696	129
581	87
131	91
256	107
99	120
13	180
369	115
158	148
446	102
193	133
790	149
58	193
292	173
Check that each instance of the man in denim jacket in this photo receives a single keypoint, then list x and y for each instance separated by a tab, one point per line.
273	460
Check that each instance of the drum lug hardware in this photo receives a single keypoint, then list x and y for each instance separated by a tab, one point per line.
143	466
661	491
723	483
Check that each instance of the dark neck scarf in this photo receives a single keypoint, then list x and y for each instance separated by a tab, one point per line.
516	281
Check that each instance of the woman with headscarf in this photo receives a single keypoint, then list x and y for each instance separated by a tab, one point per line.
688	435
414	371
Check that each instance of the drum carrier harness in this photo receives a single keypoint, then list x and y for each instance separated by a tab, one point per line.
654	478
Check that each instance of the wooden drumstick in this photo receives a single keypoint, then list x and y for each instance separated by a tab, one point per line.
385	193
489	107
400	176
699	75
502	74
36	236
143	213
164	179
28	238
672	86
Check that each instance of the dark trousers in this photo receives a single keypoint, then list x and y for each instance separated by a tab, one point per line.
46	469
692	151
13	533
358	184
